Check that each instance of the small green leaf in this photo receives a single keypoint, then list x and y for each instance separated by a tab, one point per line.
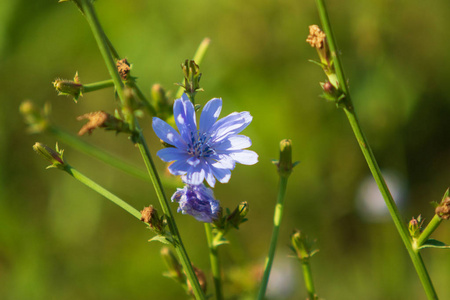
161	238
219	242
317	63
432	243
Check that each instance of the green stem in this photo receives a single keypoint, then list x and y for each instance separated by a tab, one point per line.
198	58
102	191
215	262
91	87
371	161
309	283
102	42
273	242
108	158
179	247
431	227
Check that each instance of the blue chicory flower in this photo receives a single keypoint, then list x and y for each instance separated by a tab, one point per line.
209	152
197	201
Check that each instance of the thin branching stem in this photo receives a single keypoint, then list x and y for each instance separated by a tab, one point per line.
102	191
103	155
104	47
370	158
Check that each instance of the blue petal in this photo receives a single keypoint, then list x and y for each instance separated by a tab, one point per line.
234	123
233	142
166	133
209	176
171	154
245	157
210	113
195	175
223	175
184	114
179	167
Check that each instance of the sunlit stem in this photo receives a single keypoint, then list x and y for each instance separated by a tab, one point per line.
370	158
102	155
104	47
102	191
273	242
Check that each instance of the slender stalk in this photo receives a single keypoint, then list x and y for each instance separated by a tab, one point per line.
198	58
103	155
95	86
371	161
102	191
102	42
431	227
215	261
273	242
309	282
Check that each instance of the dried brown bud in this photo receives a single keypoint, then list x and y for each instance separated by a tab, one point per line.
101	119
96	119
443	210
123	67
316	37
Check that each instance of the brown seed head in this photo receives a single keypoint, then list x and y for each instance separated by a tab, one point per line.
443	210
96	119
123	67
147	214
316	37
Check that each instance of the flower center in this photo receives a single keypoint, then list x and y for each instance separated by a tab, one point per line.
200	146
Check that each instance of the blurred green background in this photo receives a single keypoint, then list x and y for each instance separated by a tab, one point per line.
60	240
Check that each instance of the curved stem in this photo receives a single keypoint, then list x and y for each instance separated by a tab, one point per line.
215	262
102	42
273	242
102	191
371	161
102	155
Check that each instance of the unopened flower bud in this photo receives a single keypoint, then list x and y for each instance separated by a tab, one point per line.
70	88
36	119
285	164
301	245
175	270
237	217
415	227
54	157
192	75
